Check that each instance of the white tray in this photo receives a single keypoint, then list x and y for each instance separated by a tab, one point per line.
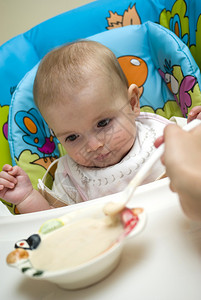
163	262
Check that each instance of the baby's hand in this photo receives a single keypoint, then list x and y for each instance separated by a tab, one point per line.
7	180
195	113
15	184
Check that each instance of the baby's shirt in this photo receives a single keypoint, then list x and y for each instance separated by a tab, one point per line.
74	183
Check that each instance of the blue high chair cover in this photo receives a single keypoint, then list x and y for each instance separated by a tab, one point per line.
20	54
168	79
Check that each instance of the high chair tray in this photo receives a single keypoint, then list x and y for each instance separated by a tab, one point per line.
163	262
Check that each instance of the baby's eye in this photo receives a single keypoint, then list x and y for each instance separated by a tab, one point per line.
103	123
71	137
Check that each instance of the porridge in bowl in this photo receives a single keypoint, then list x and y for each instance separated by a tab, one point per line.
77	249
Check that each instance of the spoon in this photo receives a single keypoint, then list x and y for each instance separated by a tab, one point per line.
113	208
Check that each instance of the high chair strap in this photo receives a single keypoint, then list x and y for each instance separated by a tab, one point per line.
83	195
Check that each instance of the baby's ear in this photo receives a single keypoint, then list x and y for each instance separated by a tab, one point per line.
133	97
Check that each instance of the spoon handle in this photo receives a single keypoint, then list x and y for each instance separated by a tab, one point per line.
147	166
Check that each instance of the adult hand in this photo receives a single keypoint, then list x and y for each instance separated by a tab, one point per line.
182	159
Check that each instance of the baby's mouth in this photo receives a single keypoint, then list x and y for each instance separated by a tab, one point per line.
101	157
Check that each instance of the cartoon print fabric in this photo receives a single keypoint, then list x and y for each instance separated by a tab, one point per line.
179	87
163	79
32	144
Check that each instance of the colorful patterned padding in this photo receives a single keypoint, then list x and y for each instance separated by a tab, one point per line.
166	67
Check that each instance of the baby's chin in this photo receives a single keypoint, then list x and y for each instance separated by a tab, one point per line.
98	165
102	164
106	163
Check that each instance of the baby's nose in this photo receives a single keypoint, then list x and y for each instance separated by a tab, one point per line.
93	143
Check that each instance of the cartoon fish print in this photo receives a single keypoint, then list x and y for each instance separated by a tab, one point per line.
135	69
31	123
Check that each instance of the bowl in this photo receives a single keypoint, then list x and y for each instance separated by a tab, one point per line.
77	249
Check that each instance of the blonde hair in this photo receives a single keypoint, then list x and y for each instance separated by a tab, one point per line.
75	65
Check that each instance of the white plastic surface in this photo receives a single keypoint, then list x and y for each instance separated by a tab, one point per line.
163	262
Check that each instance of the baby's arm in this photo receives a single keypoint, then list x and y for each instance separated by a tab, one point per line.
16	188
195	113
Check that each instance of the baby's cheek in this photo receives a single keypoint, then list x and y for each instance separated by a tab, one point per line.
81	158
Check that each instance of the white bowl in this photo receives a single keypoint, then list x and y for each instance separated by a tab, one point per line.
81	275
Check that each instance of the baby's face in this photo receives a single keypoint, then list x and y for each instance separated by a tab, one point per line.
95	128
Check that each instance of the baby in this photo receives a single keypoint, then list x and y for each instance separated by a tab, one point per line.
83	95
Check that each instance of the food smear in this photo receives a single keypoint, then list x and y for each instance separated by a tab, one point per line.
76	243
113	208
